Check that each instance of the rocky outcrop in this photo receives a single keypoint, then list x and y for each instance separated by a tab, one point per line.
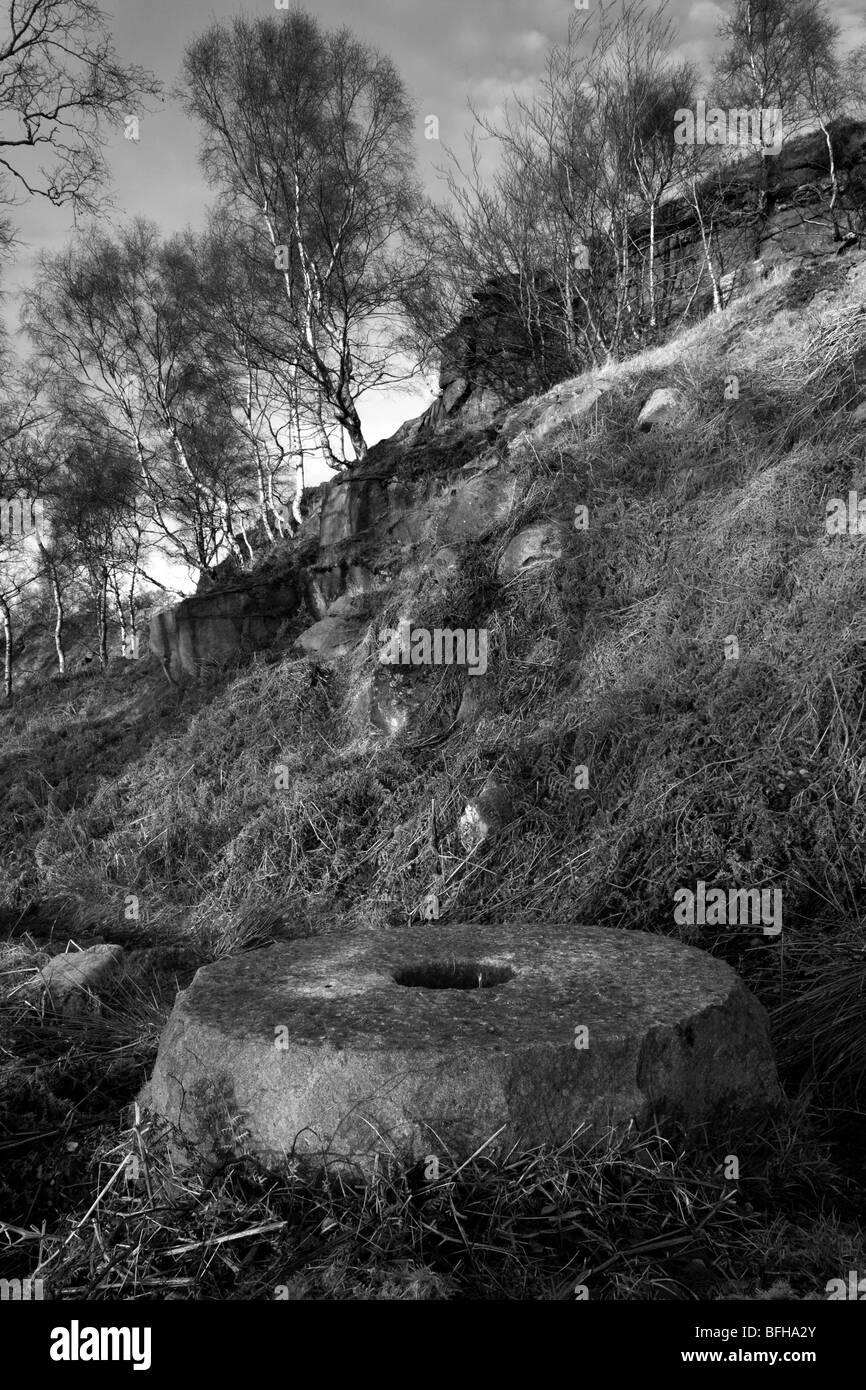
370	508
216	627
796	224
351	507
491	359
361	1050
416	495
371	525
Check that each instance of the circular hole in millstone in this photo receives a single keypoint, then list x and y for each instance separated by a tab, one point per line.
453	974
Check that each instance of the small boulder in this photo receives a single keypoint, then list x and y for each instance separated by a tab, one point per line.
663	406
484	815
70	983
360	580
349	606
444	563
331	638
727	285
475	702
565	405
395	700
476	505
323	586
538	544
454	393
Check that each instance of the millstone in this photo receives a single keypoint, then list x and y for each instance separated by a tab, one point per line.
431	1040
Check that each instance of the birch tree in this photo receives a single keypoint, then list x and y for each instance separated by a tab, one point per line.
829	85
115	324
94	502
308	133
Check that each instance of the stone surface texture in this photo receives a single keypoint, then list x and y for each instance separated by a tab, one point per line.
211	629
485	815
331	638
70	983
474	506
312	1049
538	544
663	405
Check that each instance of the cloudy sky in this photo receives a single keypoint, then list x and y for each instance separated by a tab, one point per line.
448	51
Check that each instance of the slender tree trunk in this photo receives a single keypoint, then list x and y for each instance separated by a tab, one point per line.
620	290
834	180
336	391
133	626
348	417
221	504
763	196
717	298
299	466
652	257
299	491
102	616
330	458
626	296
278	512
567	302
121	616
595	345
51	572
58	625
252	554
263	501
260	472
7	647
231	537
764	191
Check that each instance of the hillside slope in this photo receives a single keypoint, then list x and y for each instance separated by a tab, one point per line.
298	794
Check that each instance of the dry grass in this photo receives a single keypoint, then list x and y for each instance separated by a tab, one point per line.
641	1218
